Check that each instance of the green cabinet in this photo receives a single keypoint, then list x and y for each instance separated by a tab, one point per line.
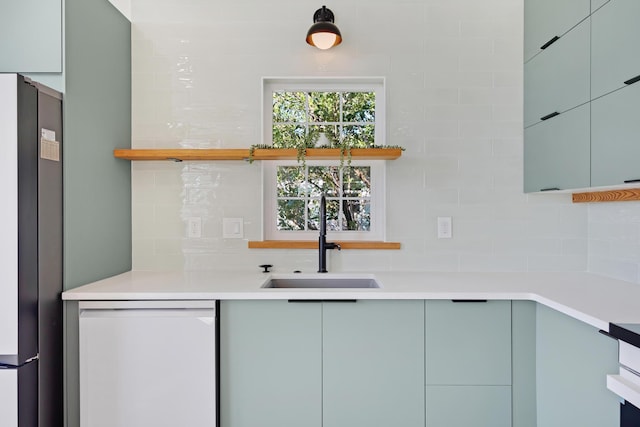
615	39
595	4
271	364
468	343
557	152
325	364
614	137
373	364
573	360
468	406
31	39
468	363
545	19
558	79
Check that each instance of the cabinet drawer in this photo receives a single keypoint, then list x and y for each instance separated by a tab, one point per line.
615	42
468	343
614	137
545	19
556	152
559	78
468	406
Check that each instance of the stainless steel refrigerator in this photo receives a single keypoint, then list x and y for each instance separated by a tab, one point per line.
31	378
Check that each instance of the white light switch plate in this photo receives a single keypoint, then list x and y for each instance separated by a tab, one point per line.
444	227
232	228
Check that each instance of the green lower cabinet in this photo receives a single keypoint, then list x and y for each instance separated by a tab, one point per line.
573	360
270	364
373	364
468	343
468	406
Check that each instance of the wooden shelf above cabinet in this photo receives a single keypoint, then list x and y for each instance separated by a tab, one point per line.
180	154
313	244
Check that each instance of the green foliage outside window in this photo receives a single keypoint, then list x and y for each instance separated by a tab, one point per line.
347	119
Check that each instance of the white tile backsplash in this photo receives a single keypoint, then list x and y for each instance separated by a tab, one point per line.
454	97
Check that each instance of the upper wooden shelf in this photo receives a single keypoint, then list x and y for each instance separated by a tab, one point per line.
180	154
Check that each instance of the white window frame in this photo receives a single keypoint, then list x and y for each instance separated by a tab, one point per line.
269	168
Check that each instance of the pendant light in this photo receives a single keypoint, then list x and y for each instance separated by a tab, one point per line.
324	34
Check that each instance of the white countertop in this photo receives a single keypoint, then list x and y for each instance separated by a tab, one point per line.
590	298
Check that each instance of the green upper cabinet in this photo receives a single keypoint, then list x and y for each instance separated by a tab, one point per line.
270	364
468	343
546	19
373	364
557	152
615	127
31	40
614	43
558	79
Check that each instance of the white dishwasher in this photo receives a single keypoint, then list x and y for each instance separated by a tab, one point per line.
147	363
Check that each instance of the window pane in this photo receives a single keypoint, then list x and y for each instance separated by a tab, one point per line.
289	107
331	132
357	181
290	215
333	207
324	179
357	215
324	107
288	136
359	106
290	181
359	136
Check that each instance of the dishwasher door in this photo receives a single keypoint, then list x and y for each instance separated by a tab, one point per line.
147	363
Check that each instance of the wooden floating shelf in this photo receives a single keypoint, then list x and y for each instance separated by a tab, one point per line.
626	195
180	154
313	244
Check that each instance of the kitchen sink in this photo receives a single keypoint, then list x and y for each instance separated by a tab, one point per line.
321	281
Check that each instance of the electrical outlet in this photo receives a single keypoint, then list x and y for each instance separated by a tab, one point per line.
444	227
194	227
232	228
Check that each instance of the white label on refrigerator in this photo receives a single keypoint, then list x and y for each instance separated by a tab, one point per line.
50	150
48	134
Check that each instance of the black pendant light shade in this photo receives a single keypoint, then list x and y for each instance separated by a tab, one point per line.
324	34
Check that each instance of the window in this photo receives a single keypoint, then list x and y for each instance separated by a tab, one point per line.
324	112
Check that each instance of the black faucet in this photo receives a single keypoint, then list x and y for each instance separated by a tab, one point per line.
323	245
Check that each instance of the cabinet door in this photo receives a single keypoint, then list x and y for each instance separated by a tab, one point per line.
545	19
468	343
614	137
270	364
558	79
373	364
557	152
573	360
595	4
468	406
31	39
614	46
147	366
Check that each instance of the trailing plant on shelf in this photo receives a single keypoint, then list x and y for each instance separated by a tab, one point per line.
310	141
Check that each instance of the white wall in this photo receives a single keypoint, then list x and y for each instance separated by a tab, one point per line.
614	240
454	76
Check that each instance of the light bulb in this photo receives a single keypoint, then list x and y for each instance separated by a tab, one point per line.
323	40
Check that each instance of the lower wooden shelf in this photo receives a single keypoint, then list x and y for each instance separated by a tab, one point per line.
313	244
